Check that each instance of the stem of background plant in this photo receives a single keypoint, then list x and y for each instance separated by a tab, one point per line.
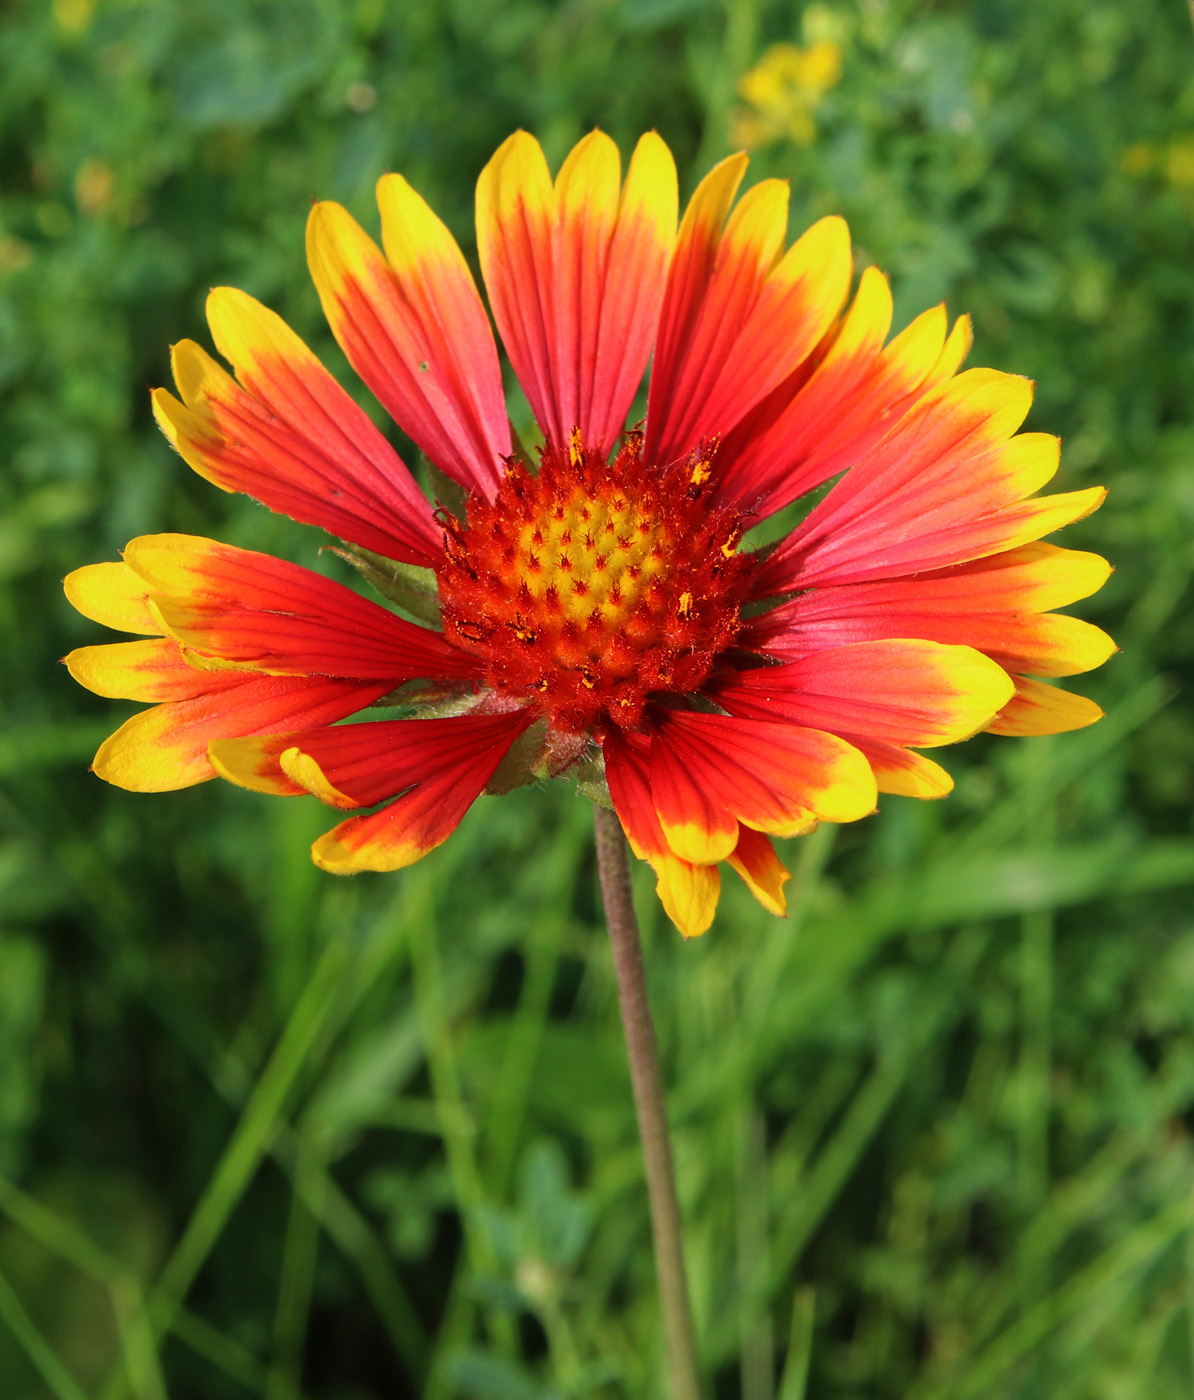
650	1108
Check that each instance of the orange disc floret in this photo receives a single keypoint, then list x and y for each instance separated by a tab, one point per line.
589	586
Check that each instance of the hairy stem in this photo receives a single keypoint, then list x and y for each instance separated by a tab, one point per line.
647	1081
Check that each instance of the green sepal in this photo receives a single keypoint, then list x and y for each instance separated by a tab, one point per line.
429	700
520	766
591	782
413	589
445	491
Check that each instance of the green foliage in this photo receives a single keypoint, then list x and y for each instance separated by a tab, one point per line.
267	1133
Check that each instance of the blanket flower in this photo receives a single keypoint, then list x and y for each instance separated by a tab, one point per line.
599	608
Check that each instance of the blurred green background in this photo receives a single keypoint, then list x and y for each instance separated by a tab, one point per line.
263	1132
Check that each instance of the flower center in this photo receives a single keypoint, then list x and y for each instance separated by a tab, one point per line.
594	584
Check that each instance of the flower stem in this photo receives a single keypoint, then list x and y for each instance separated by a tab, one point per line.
614	870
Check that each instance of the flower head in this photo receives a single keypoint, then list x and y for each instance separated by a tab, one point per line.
596	609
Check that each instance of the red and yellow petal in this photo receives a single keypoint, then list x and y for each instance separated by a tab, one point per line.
1015	525
363	764
953	353
761	869
414	329
953	455
1040	644
691	266
151	670
1033	578
698	823
575	274
712	286
255	762
275	764
744	253
439	290
799	301
445	770
112	594
165	748
688	892
516	217
633	289
812	427
946	485
987	605
902	692
737	317
287	434
766	454
894	555
1039	708
778	778
249	609
900	771
548	312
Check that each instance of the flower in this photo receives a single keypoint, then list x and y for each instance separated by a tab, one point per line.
601	616
782	91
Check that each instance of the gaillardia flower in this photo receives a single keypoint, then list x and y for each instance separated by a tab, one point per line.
597	609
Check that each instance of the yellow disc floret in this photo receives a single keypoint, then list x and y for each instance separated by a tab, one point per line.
592	584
